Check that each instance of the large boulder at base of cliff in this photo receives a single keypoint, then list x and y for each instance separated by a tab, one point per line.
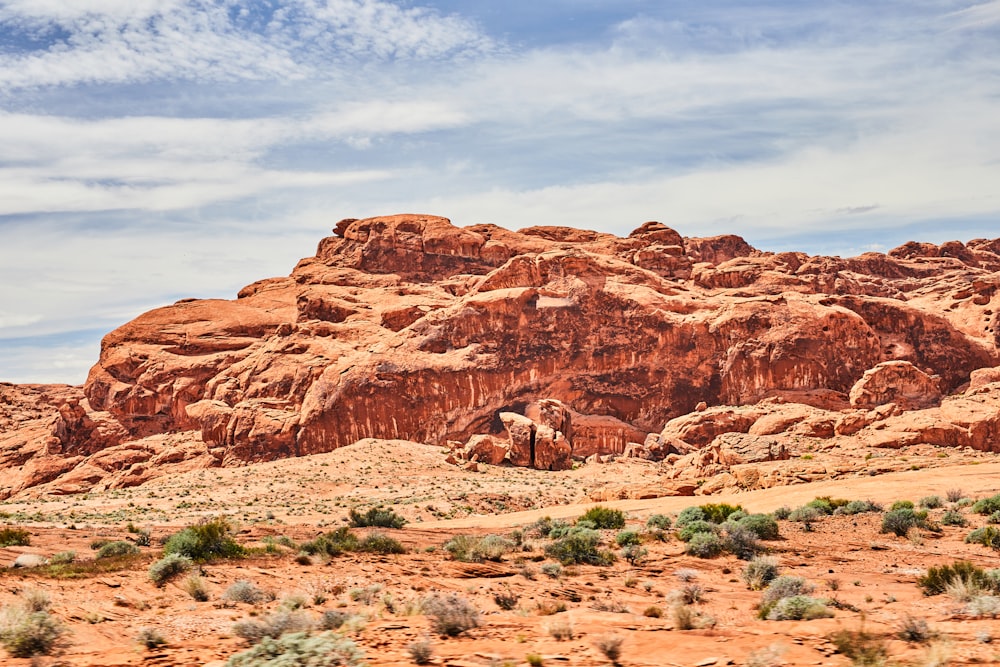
898	382
738	448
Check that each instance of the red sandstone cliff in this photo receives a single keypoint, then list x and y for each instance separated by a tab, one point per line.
408	327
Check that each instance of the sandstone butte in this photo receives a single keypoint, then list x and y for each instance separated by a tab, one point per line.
537	348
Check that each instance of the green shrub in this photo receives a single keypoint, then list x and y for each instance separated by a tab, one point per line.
62	558
798	608
421	651
579	545
560	528
931	502
117	549
14	537
782	512
823	505
987	505
993	518
858	507
378	543
988	536
899	521
689	514
450	615
658	521
25	634
323	650
695	527
635	554
626	538
719	512
937	579
805	514
953	518
376	517
208	540
332	543
762	525
901	505
759	572
169	567
604	518
704	545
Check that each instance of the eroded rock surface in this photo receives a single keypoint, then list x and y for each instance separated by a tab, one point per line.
407	327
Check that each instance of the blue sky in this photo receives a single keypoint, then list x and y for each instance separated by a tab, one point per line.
157	149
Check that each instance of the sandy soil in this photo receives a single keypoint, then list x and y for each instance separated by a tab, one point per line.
870	575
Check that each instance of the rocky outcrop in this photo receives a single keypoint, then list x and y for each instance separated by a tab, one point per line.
409	327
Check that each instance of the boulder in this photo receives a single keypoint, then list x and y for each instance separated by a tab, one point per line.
898	382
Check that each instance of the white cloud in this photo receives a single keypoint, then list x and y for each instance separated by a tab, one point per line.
981	15
110	41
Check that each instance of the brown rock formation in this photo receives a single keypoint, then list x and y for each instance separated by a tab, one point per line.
408	327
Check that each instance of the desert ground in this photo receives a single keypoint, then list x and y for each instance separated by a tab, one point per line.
558	615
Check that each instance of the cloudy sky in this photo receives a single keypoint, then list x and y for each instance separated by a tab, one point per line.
157	149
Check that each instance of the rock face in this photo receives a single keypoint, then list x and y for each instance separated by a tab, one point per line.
555	342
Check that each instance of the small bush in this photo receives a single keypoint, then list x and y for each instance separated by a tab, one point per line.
719	512
653	611
332	543
742	542
860	647
762	525
914	630
798	608
205	541
14	537
899	521
858	507
785	586
331	619
25	634
376	517
451	615
635	554
196	588
473	549
610	646
988	536
931	502
168	568
534	660
782	513
705	545
658	521
901	505
421	652
983	606
580	545
759	572
604	518
987	506
35	599
805	514
993	518
823	505
62	558
954	495
627	538
378	543
244	591
117	550
323	650
506	599
552	570
937	579
561	630
695	527
150	638
254	630
689	514
953	518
